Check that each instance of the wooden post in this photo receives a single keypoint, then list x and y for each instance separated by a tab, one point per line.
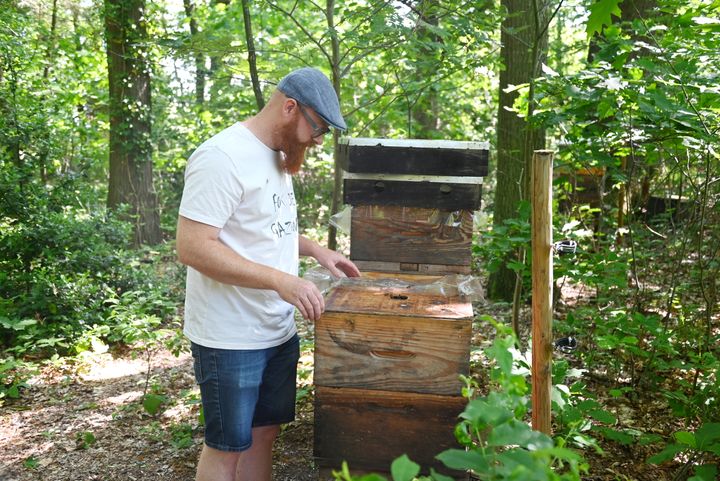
542	284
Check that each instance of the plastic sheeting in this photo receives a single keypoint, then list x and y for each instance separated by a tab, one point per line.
467	287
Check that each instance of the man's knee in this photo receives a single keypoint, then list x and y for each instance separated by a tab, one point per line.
265	434
218	456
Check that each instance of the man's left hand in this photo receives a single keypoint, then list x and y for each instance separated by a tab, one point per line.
337	264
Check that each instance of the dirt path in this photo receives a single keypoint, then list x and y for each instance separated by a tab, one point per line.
90	425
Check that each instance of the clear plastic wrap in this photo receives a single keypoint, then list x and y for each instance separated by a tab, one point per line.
342	220
467	287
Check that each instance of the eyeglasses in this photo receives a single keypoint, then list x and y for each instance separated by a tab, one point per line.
317	130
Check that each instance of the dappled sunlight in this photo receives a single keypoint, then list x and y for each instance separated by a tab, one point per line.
90	413
103	367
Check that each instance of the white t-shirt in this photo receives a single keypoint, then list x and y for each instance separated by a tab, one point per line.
233	182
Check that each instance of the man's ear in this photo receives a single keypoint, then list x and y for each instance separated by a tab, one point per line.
289	106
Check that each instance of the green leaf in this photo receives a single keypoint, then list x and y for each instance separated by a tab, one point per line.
13	392
403	469
601	15
85	439
463	460
707	434
439	477
619	436
670	451
480	411
705	472
603	416
686	437
518	433
152	403
502	356
514	460
564	454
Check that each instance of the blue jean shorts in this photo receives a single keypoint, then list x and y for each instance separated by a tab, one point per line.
243	389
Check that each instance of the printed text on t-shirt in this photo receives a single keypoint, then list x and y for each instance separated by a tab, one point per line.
284	199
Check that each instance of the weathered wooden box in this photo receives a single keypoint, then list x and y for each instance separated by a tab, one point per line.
387	366
412	202
393	339
370	429
411	239
414	156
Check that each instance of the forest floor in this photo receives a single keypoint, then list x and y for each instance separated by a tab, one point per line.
85	422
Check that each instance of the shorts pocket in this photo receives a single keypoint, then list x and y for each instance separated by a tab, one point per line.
199	355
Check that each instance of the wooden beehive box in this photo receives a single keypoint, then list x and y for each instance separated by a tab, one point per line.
412	202
387	362
388	355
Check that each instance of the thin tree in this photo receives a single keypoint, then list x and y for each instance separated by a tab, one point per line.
198	56
252	55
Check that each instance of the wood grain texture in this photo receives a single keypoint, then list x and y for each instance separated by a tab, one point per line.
410	235
435	195
370	429
542	284
401	299
413	160
387	352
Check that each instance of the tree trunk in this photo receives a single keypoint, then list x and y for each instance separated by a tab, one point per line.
425	108
337	185
252	62
44	150
131	169
198	55
515	144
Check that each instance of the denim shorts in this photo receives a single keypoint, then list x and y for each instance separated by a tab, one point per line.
242	389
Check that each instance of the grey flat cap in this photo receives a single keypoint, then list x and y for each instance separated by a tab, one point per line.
311	87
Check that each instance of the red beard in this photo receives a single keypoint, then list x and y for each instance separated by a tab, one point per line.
292	148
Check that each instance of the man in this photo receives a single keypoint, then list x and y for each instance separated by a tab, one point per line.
238	234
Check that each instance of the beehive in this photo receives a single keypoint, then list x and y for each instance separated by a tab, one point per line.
388	355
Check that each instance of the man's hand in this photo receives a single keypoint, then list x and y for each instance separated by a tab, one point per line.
304	295
336	263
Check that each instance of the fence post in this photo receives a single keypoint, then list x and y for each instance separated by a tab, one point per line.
542	285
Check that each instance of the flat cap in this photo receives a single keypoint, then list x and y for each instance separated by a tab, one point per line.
311	87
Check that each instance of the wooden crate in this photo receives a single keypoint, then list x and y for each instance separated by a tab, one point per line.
414	156
429	194
392	339
411	235
369	428
388	355
412	202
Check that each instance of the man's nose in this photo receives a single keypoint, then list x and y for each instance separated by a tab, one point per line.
319	139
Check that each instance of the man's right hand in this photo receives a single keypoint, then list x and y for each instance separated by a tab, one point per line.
304	295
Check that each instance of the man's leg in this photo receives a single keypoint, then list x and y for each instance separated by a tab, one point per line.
216	465
255	464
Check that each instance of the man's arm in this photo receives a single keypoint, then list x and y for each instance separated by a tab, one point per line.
199	247
336	263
